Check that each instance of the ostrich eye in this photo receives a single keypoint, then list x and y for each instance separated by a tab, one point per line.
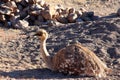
40	33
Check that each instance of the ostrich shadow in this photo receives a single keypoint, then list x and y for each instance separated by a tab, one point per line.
37	74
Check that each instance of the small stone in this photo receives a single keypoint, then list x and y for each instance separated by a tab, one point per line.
46	14
17	1
90	14
12	5
114	52
83	10
21	24
117	61
71	10
40	18
31	1
52	23
62	19
36	22
5	11
23	14
79	20
41	2
86	19
6	0
118	12
36	7
72	17
79	13
2	17
35	13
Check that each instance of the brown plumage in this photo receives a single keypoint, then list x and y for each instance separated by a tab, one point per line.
74	59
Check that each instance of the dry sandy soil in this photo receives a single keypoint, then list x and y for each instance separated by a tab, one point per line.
20	57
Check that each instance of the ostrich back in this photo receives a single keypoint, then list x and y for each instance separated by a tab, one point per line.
77	60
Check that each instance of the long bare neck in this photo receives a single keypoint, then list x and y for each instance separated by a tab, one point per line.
43	48
46	56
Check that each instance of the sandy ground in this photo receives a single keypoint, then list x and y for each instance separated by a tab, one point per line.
20	57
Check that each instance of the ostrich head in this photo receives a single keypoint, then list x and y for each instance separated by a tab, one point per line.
43	35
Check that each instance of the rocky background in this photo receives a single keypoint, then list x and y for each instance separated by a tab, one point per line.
93	23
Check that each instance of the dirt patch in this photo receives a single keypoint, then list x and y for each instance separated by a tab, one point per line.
20	57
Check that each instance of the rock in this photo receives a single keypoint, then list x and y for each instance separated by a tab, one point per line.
6	0
79	13
59	7
83	10
116	61
62	19
85	18
118	12
20	7
78	20
5	11
46	14
40	18
111	37
35	13
72	17
114	52
55	16
21	24
2	17
90	14
24	3
38	23
36	7
64	12
33	18
71	10
41	2
12	5
31	1
23	14
51	23
17	1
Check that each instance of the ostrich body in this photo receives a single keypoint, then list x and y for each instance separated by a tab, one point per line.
74	59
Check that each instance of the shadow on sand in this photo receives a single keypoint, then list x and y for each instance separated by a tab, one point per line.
37	74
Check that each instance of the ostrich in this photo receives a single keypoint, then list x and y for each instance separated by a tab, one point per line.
74	59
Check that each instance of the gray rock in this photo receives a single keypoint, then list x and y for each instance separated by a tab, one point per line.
2	17
114	52
21	24
72	17
118	12
79	20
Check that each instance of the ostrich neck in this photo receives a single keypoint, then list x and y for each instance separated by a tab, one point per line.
46	56
43	48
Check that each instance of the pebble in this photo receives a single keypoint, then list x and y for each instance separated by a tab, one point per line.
118	12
